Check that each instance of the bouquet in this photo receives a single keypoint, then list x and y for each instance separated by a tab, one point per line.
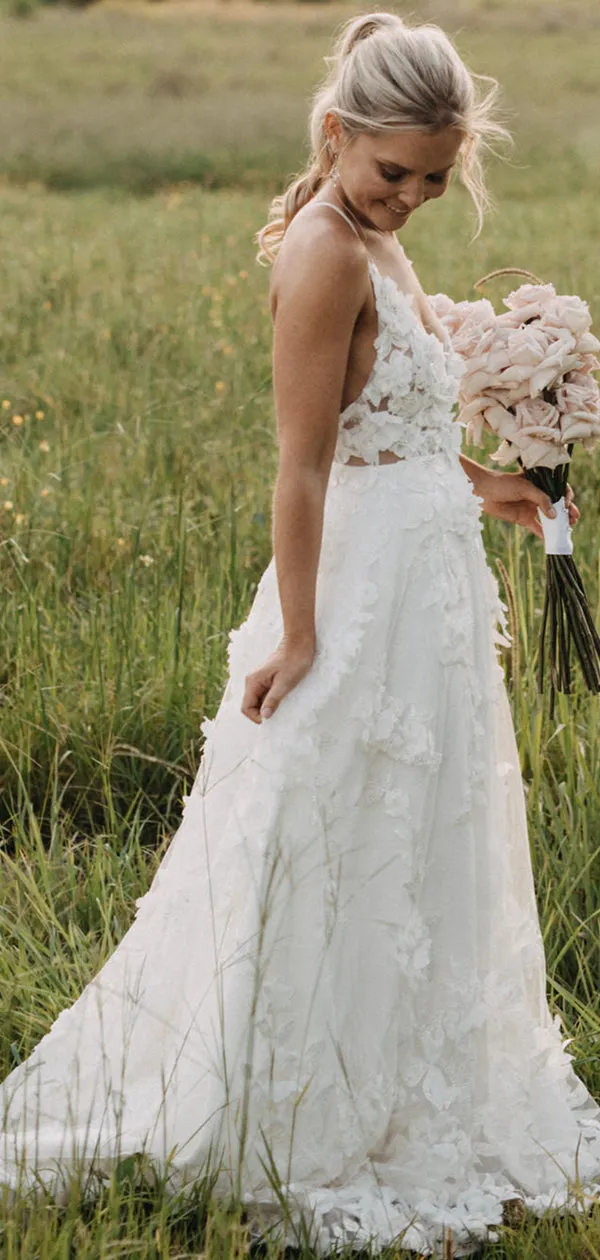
529	379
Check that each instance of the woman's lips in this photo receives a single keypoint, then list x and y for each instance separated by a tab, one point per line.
400	214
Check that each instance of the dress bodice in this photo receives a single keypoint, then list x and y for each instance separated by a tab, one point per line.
406	405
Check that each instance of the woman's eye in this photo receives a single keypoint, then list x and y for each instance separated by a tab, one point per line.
395	177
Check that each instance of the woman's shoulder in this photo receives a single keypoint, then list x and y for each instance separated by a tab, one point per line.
319	251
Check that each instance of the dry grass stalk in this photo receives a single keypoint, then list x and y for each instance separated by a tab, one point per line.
447	1244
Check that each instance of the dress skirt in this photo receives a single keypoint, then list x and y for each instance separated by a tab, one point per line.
334	992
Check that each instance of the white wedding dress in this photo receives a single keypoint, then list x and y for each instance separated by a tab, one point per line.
335	987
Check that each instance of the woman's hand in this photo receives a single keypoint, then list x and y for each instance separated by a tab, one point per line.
267	685
512	497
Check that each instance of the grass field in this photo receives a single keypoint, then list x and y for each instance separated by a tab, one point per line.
136	468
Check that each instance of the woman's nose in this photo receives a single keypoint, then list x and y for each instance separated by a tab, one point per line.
413	193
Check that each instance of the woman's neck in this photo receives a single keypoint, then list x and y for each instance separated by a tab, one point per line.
334	191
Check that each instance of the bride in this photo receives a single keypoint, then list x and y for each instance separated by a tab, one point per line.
334	992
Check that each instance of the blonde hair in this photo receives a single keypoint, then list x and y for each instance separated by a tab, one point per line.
386	76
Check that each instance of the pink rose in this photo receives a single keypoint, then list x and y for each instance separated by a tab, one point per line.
500	420
588	363
587	344
560	357
568	312
515	374
530	300
511	319
577	430
446	310
541	414
474	383
579	396
579	401
475	333
533	452
527	345
474	426
473	408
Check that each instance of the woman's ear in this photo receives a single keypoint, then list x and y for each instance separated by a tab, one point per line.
333	130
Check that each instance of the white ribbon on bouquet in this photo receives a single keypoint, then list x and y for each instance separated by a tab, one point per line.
557	530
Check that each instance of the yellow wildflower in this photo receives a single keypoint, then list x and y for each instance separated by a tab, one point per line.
39	415
220	386
45	446
19	518
3	481
45	492
17	420
120	542
8	505
6	403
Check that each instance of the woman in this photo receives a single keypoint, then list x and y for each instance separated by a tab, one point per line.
335	988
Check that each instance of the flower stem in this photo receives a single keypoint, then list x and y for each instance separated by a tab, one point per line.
567	621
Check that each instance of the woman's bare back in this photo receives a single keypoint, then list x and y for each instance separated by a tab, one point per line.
390	259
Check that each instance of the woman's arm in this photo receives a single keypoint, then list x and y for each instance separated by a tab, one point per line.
322	285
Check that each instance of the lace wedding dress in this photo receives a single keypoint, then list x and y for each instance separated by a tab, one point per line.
335	987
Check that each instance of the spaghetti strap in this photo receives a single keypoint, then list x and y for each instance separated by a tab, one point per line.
345	216
338	211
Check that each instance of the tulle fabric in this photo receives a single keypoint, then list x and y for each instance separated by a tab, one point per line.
334	991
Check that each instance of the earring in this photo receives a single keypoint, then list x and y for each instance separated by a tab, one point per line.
334	174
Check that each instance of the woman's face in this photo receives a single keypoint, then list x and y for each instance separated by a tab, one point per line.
388	175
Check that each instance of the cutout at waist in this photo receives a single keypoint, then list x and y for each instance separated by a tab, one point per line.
385	457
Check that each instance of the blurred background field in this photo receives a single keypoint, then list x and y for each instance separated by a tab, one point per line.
137	96
139	147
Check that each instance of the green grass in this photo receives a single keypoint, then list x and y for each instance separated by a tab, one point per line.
139	326
129	326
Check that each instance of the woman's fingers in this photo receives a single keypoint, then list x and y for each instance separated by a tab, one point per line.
272	700
256	688
535	527
517	499
530	519
543	501
572	508
264	693
267	686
